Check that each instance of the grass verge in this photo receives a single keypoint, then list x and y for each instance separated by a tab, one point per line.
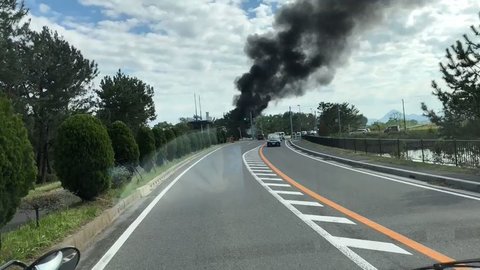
29	242
40	189
388	161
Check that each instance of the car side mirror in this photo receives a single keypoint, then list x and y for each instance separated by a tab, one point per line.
59	259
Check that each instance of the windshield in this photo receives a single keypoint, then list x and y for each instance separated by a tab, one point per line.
240	134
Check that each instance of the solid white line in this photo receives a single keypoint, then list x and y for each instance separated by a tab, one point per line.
271	179
306	203
387	178
354	257
329	219
266	174
123	238
372	245
258	167
287	192
277	185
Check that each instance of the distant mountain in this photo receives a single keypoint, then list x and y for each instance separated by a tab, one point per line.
392	113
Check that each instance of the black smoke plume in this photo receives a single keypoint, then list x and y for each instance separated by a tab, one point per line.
311	39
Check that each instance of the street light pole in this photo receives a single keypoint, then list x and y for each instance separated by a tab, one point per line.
299	119
291	122
404	119
339	121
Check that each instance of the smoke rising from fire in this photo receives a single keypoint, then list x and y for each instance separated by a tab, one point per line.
311	39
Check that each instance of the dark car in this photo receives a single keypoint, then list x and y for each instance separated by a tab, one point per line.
274	140
260	137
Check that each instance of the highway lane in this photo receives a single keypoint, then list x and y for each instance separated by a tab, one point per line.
217	216
446	223
237	210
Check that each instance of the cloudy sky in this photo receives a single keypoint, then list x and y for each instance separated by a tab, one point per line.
187	46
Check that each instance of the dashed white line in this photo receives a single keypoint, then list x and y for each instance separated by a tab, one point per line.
329	219
265	174
306	203
277	185
261	170
287	192
372	245
271	179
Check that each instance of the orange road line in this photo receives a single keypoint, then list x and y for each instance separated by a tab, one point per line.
435	255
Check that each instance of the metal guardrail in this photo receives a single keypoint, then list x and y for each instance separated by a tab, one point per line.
464	153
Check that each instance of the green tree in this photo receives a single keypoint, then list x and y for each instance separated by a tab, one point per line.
84	156
160	145
17	167
171	144
124	145
146	145
461	103
14	31
127	99
350	117
58	80
193	141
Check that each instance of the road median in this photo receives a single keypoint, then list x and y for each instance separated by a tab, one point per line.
467	181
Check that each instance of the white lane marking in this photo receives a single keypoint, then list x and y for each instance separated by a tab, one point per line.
277	185
261	171
287	192
306	203
329	219
271	179
123	238
372	245
387	178
354	257
265	174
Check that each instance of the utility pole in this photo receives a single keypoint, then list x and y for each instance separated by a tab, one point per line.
339	121
195	100
404	119
299	119
252	128
291	122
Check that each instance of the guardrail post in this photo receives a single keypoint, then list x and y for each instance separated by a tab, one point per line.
423	155
398	148
355	145
380	146
456	152
366	146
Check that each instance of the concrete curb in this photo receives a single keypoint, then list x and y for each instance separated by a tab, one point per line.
84	237
431	178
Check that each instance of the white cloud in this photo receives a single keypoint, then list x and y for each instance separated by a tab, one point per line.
43	8
197	45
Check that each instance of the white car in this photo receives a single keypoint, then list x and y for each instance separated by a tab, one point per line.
274	140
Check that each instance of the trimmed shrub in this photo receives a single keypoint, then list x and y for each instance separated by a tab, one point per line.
120	176
124	145
193	142
213	137
17	166
146	145
159	135
186	145
171	144
84	156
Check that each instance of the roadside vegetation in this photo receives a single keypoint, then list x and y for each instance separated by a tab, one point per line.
69	150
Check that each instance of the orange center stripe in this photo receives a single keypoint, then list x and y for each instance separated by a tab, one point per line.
435	255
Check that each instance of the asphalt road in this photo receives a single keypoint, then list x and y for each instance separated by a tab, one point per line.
238	208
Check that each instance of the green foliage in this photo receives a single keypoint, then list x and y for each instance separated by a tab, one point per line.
127	99
350	117
146	145
29	242
194	143
160	144
58	80
17	167
171	144
124	145
120	176
213	137
83	156
461	103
